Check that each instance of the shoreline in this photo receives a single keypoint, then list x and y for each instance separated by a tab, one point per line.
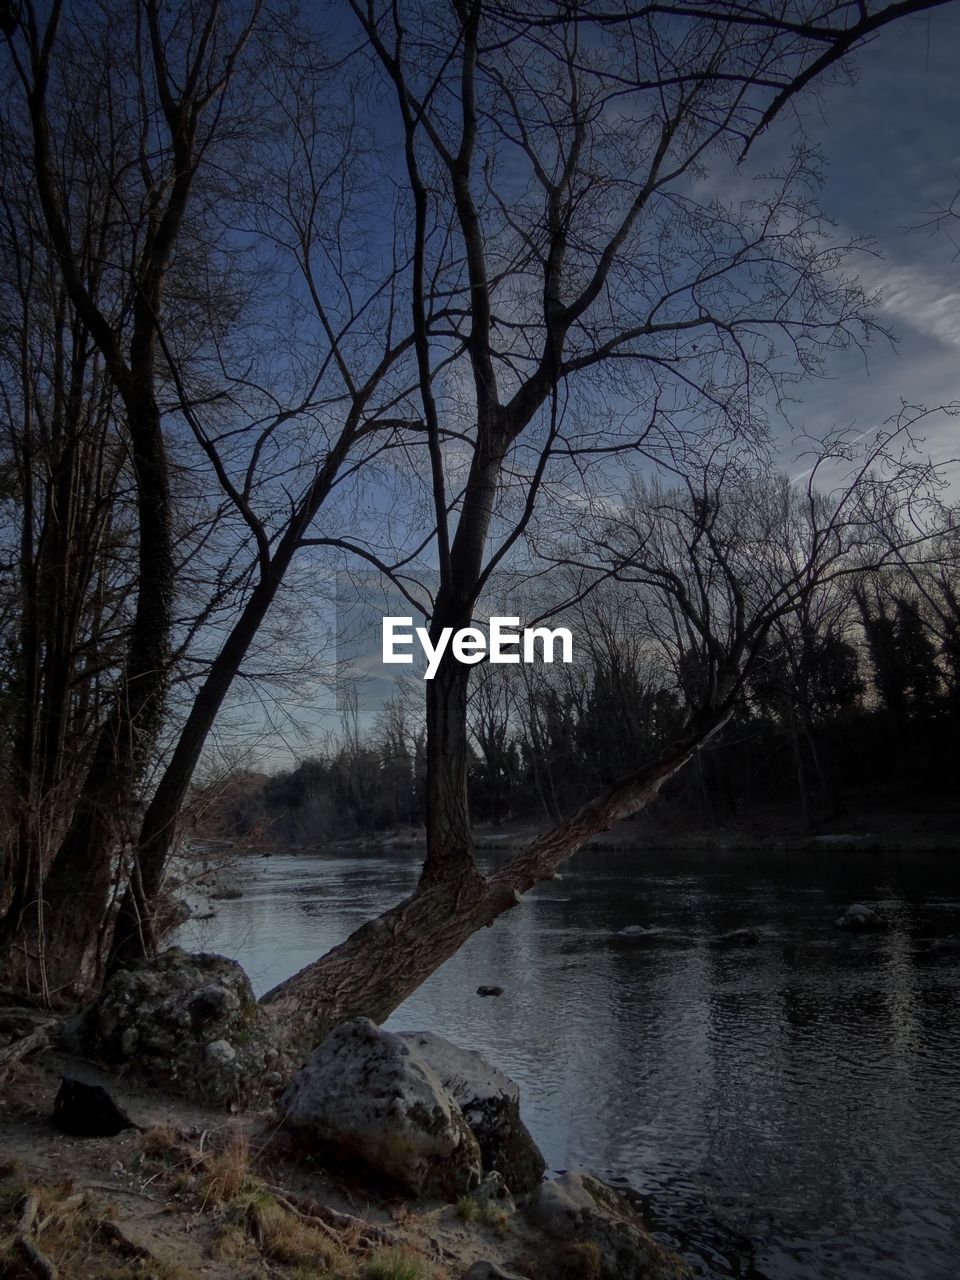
515	840
192	1189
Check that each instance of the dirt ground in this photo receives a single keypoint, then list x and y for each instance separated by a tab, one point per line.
196	1191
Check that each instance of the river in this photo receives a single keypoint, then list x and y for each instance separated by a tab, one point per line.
789	1110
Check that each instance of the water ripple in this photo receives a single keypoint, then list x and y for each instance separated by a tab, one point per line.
783	1111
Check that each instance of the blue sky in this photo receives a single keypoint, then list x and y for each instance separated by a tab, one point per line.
891	150
891	143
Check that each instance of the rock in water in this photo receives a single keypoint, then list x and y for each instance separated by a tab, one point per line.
490	1102
88	1111
945	944
370	1096
736	938
602	1231
857	917
489	991
188	1022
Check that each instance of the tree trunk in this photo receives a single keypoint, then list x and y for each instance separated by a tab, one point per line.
58	952
449	837
796	747
134	935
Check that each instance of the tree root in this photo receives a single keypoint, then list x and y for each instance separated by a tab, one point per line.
23	1244
332	1222
114	1234
39	1038
38	1262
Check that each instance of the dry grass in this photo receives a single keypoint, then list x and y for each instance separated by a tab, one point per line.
232	1244
251	1229
162	1142
65	1234
397	1264
468	1208
255	1223
486	1210
224	1174
581	1261
284	1237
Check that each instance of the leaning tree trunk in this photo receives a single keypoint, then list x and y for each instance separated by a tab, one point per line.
135	933
387	959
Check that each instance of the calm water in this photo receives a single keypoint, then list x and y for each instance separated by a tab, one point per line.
789	1111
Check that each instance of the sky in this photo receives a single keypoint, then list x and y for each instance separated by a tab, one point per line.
891	144
891	151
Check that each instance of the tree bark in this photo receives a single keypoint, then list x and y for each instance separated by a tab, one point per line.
450	850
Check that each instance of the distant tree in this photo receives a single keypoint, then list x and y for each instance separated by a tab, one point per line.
917	659
903	655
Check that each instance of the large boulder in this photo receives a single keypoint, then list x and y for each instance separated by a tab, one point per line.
490	1102
610	1238
188	1022
369	1096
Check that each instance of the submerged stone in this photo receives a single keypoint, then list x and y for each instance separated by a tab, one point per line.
603	1230
858	917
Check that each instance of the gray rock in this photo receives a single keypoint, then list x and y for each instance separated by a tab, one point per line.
586	1215
371	1096
736	938
490	1102
842	840
859	918
493	1190
638	935
188	1022
220	1053
486	1270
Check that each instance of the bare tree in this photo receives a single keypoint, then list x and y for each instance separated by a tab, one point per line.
265	371
542	277
69	535
139	153
597	307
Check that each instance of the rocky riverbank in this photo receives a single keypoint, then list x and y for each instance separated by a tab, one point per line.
382	1157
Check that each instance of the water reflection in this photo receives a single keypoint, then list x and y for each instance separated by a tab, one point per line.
786	1110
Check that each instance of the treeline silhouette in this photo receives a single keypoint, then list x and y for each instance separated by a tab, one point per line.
856	710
